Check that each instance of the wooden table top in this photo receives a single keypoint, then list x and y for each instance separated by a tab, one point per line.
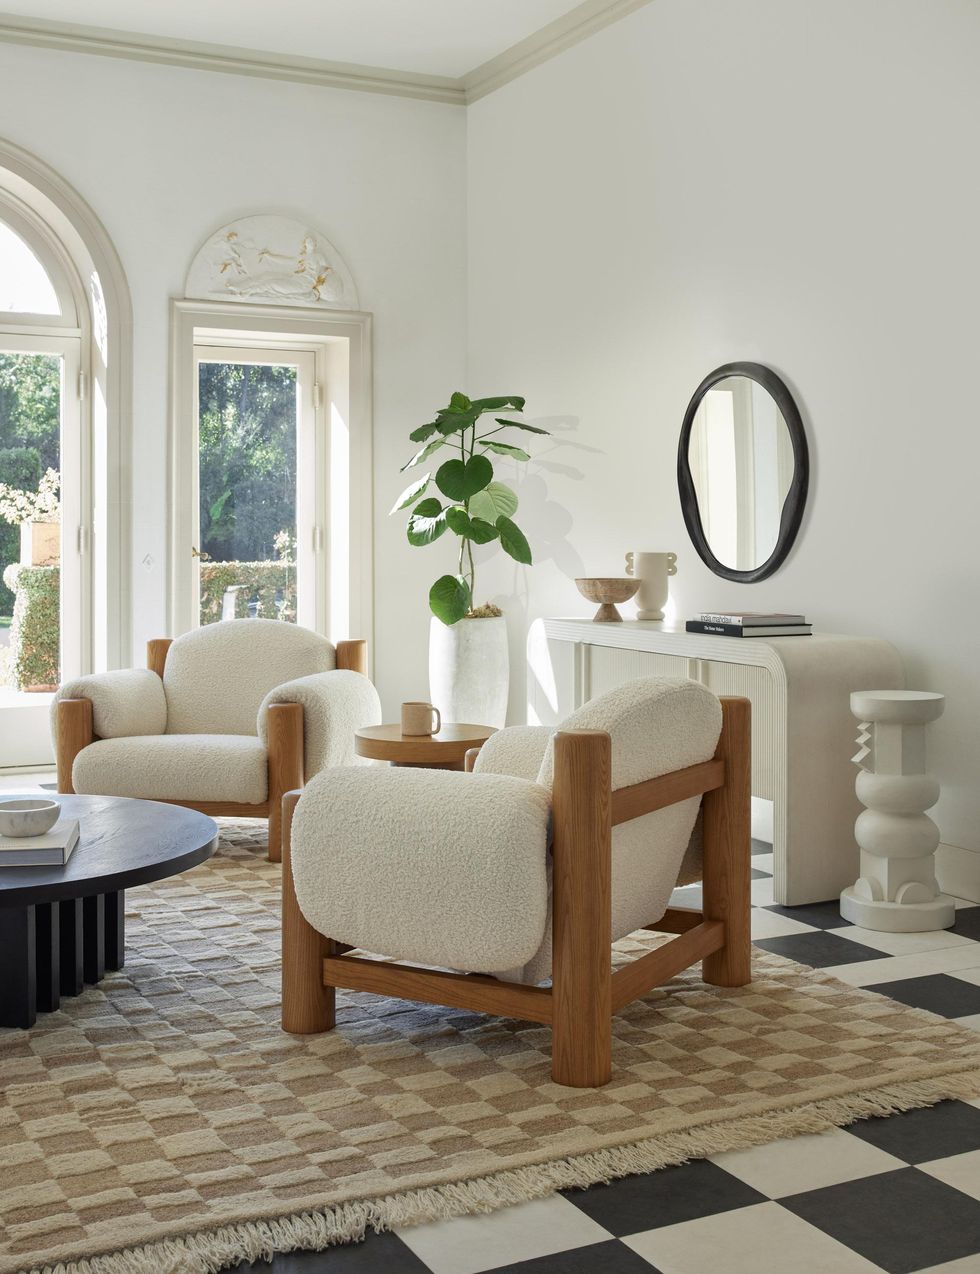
387	743
122	843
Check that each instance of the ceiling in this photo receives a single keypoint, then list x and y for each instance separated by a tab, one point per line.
447	38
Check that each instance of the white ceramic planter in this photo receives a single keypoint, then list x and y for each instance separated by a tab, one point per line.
469	670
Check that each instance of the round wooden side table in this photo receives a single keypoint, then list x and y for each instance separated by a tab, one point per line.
443	751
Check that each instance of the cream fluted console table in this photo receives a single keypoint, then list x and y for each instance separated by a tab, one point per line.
802	727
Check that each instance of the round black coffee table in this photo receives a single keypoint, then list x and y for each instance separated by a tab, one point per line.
61	927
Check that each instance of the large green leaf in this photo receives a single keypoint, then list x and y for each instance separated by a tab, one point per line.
459	481
513	542
474	529
424	431
509	402
505	449
520	424
449	598
427	522
410	494
494	501
424	453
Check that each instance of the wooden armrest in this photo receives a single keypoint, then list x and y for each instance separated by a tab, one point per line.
656	794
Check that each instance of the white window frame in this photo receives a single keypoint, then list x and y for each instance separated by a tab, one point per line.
341	342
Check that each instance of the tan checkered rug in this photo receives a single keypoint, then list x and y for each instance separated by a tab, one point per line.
163	1124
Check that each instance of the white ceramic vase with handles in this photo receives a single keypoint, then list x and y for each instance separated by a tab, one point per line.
653	570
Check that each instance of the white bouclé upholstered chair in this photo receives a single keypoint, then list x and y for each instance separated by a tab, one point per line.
556	845
224	720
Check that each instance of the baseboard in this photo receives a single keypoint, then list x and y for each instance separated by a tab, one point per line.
958	871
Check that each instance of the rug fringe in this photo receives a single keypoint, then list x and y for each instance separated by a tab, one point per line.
211	1251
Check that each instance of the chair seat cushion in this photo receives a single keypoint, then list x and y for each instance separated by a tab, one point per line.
176	767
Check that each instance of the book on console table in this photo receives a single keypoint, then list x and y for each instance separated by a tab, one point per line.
750	618
748	630
50	850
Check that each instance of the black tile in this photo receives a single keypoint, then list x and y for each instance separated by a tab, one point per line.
902	1221
822	915
937	992
935	1132
597	1258
819	949
377	1252
684	1193
967	922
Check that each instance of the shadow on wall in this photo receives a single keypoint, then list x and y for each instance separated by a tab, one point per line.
548	526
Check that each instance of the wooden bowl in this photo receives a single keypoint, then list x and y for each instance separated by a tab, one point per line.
608	590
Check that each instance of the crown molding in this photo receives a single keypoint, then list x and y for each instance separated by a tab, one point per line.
570	29
103	41
576	25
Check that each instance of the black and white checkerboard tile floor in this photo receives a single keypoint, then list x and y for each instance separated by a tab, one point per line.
899	1195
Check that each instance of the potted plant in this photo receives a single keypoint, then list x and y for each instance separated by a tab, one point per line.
468	659
38	514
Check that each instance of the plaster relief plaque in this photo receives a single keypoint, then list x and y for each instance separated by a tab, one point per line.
271	260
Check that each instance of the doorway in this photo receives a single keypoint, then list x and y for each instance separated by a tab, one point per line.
271	468
262	471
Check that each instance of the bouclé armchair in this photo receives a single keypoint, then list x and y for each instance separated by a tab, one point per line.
556	845
224	720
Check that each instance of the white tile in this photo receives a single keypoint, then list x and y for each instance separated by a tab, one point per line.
797	1164
747	1241
897	944
469	1244
762	895
770	924
893	968
962	1172
968	975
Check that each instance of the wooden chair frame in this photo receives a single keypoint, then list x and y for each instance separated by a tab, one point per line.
585	992
285	744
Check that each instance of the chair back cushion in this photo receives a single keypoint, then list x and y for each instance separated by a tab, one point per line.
657	725
216	677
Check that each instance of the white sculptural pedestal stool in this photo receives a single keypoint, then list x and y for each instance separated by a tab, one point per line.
897	890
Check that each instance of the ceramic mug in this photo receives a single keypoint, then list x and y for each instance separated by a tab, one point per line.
652	570
420	718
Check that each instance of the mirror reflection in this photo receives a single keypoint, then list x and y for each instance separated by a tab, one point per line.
741	459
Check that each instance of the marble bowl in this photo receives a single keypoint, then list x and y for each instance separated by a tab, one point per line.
607	590
28	817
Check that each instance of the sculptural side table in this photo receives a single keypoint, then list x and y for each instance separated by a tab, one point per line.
897	890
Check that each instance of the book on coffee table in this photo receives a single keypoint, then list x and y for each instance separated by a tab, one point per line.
53	849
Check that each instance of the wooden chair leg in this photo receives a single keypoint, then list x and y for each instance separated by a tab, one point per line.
307	1005
728	850
582	901
75	731
353	655
284	724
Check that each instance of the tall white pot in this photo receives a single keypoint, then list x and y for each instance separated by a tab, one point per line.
469	670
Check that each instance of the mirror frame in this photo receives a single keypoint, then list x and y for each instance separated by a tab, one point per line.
795	502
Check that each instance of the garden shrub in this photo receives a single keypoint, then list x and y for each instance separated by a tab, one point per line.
19	467
260	580
34	635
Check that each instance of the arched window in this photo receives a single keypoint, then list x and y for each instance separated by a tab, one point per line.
65	349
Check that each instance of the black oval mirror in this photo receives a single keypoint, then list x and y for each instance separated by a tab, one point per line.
743	470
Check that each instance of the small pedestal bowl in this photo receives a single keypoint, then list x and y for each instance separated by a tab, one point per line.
608	591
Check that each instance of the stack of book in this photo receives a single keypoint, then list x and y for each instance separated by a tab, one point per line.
750	623
51	850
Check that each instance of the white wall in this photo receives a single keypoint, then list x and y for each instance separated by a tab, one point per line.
785	181
165	155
